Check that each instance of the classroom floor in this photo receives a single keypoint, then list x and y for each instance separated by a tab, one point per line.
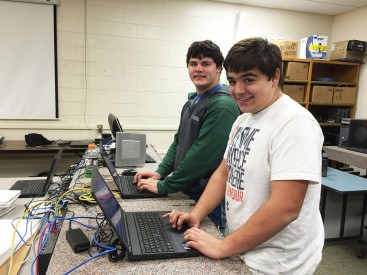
340	257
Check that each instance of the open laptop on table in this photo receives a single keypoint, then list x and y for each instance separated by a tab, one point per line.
144	235
149	159
125	183
37	187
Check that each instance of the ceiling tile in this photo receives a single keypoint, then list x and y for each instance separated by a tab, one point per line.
327	7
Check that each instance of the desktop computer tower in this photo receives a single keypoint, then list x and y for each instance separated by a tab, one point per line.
353	134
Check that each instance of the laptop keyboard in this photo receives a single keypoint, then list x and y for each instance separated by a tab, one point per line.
33	187
134	187
152	233
130	182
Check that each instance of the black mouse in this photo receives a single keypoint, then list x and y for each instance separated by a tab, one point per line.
129	172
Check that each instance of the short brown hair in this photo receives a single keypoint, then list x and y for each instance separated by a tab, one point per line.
205	48
254	53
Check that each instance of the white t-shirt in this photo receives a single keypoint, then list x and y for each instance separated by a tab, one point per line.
282	142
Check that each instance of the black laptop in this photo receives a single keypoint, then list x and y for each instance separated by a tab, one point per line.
125	183
37	187
149	159
144	235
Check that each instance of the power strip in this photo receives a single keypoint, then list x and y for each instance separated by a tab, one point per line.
46	254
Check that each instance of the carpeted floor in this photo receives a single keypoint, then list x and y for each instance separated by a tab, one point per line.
340	257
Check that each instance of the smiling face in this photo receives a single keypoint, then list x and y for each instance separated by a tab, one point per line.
253	67
204	73
252	90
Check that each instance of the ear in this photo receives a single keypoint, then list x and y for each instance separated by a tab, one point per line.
275	78
219	69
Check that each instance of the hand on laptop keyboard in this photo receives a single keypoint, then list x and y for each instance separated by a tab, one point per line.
148	184
182	220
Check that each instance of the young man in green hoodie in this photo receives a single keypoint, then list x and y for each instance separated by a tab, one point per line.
201	139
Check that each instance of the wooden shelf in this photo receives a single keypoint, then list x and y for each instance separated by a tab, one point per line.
286	81
341	84
330	104
342	74
328	62
327	124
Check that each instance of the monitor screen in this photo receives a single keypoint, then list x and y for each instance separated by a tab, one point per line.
130	149
114	124
109	205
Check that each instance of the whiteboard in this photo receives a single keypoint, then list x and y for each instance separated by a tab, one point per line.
28	86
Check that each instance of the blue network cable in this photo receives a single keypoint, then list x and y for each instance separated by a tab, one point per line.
108	250
43	244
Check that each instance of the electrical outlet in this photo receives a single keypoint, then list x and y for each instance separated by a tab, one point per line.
100	128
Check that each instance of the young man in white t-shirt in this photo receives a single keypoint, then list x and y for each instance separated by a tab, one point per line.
270	175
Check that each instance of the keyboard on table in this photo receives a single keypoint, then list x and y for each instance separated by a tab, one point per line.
152	233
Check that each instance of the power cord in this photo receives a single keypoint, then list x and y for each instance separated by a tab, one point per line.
104	235
119	253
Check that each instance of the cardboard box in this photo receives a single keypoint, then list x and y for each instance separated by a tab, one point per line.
295	71
345	95
296	92
341	51
289	48
313	47
322	94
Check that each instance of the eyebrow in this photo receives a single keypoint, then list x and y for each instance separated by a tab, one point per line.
204	58
249	74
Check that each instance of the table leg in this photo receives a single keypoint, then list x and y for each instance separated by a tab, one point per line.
364	209
344	210
323	202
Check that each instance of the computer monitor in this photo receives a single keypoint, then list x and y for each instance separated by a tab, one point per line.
353	134
130	149
115	125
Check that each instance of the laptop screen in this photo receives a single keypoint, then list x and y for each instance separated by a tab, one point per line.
114	124
52	171
110	165
109	205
